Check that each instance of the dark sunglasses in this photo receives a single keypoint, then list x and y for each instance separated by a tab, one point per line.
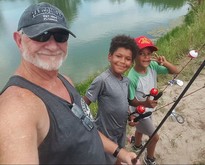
59	36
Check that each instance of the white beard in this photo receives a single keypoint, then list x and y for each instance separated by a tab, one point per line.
51	64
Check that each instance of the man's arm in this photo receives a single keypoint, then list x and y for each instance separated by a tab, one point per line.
123	155
19	112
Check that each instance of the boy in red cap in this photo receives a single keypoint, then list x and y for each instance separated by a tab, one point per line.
143	77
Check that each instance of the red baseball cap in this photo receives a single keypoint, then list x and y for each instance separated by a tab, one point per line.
143	42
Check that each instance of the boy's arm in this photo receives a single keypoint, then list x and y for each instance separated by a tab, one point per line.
148	103
162	61
94	90
172	68
88	102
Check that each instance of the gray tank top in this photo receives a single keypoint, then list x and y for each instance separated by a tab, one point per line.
72	137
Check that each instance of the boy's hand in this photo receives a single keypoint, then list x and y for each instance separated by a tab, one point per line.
150	103
162	61
131	121
159	59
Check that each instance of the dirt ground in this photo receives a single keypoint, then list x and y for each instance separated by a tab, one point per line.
181	143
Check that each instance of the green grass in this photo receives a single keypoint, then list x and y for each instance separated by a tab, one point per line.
175	45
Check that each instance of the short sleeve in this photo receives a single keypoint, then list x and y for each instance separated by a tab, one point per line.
95	89
159	68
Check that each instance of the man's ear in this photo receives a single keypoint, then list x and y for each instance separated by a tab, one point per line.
17	38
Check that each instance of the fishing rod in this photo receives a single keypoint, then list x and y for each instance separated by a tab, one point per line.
192	54
182	97
173	106
156	94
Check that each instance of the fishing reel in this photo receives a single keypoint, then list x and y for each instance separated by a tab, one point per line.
176	81
140	110
155	93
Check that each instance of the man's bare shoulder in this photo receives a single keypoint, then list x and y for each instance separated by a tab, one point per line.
16	101
16	96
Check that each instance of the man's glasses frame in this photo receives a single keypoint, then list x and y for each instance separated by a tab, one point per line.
59	36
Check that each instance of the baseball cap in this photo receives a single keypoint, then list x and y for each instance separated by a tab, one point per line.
42	17
143	42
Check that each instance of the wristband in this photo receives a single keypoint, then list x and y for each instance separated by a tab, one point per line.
116	151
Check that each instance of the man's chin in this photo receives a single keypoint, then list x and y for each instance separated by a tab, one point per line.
49	68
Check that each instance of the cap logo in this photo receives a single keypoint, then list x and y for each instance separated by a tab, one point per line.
144	41
42	17
47	14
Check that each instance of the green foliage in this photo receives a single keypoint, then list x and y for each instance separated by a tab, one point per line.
82	87
176	44
167	4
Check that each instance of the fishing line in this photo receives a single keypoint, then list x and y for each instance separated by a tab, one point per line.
178	74
173	106
182	97
192	54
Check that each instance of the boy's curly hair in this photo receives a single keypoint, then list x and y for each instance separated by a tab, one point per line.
126	42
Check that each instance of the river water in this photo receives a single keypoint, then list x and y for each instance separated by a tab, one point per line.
94	22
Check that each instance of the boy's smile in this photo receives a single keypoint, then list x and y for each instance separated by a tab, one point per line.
143	60
120	61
